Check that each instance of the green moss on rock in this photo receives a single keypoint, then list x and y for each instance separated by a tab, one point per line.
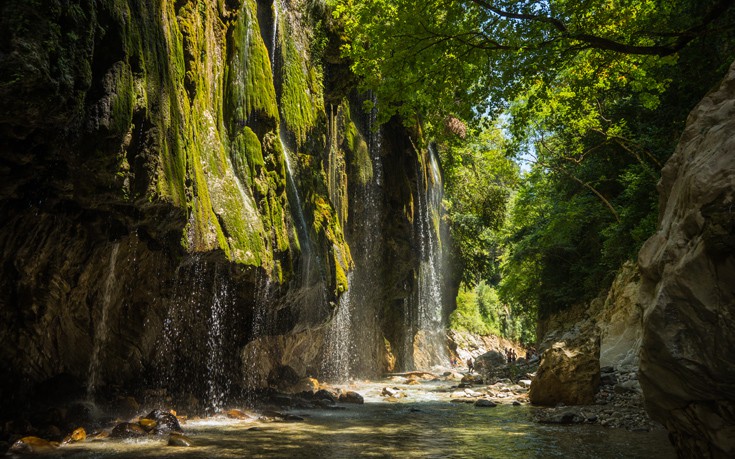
249	75
358	153
301	99
247	155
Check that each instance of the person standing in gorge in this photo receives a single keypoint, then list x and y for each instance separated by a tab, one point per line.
470	365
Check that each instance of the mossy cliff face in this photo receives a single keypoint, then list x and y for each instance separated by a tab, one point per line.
143	176
153	232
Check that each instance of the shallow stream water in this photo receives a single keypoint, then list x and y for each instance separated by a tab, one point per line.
424	424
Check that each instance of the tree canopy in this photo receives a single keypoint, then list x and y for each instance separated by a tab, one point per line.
469	58
591	95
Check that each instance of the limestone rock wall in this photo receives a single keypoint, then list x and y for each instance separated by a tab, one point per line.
580	341
151	223
687	368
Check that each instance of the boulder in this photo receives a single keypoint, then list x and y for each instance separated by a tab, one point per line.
351	397
390	392
490	360
471	379
569	373
484	403
126	430
179	439
165	422
309	385
78	435
32	445
686	365
324	394
238	414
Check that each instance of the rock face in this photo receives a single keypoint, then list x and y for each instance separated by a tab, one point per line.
620	321
569	373
176	182
687	369
609	329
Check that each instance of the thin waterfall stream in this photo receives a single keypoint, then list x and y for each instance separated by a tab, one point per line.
102	328
429	323
353	337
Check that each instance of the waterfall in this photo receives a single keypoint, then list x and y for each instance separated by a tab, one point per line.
195	355
258	329
429	322
274	37
339	345
217	381
101	330
354	339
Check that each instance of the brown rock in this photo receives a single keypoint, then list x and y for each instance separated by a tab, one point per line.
686	365
128	430
351	397
166	421
237	414
79	434
471	379
179	439
569	373
147	424
33	445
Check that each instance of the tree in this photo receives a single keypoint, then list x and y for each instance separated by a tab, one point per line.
466	58
478	181
595	93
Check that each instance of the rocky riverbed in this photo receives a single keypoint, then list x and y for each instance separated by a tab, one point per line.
490	405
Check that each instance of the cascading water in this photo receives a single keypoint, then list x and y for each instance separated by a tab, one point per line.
339	346
218	384
258	329
429	322
102	328
274	36
354	340
195	352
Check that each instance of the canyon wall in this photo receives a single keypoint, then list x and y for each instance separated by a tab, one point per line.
687	368
182	184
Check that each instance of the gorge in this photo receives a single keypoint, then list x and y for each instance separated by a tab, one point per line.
204	206
177	172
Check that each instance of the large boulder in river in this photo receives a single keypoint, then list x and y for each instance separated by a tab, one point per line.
490	360
687	365
569	373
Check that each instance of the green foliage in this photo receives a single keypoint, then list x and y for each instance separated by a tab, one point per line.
480	311
478	182
473	57
594	94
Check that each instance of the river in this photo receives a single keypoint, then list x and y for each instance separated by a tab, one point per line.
422	424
